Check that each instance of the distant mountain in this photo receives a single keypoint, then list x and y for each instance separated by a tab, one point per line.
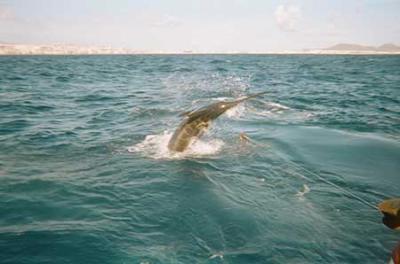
388	47
344	46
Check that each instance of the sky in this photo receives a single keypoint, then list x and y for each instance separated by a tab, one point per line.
202	25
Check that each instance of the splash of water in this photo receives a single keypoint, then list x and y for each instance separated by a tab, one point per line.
182	85
156	146
237	111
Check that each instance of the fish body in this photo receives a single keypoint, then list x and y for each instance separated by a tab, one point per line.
196	123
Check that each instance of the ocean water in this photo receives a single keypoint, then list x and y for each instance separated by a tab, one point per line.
86	177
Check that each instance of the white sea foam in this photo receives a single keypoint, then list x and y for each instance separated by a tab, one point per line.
303	191
288	116
237	111
217	255
276	106
272	108
282	112
156	146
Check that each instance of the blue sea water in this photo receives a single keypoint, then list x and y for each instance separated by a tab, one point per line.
85	175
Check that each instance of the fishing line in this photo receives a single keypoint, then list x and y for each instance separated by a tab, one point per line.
343	190
333	184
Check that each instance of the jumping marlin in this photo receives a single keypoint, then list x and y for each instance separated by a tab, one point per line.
197	121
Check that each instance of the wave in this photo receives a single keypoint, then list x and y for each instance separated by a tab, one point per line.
282	113
286	116
94	98
276	106
271	110
156	146
218	61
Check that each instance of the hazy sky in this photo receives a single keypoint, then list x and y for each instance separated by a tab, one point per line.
203	25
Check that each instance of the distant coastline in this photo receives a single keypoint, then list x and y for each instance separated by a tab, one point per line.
61	49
